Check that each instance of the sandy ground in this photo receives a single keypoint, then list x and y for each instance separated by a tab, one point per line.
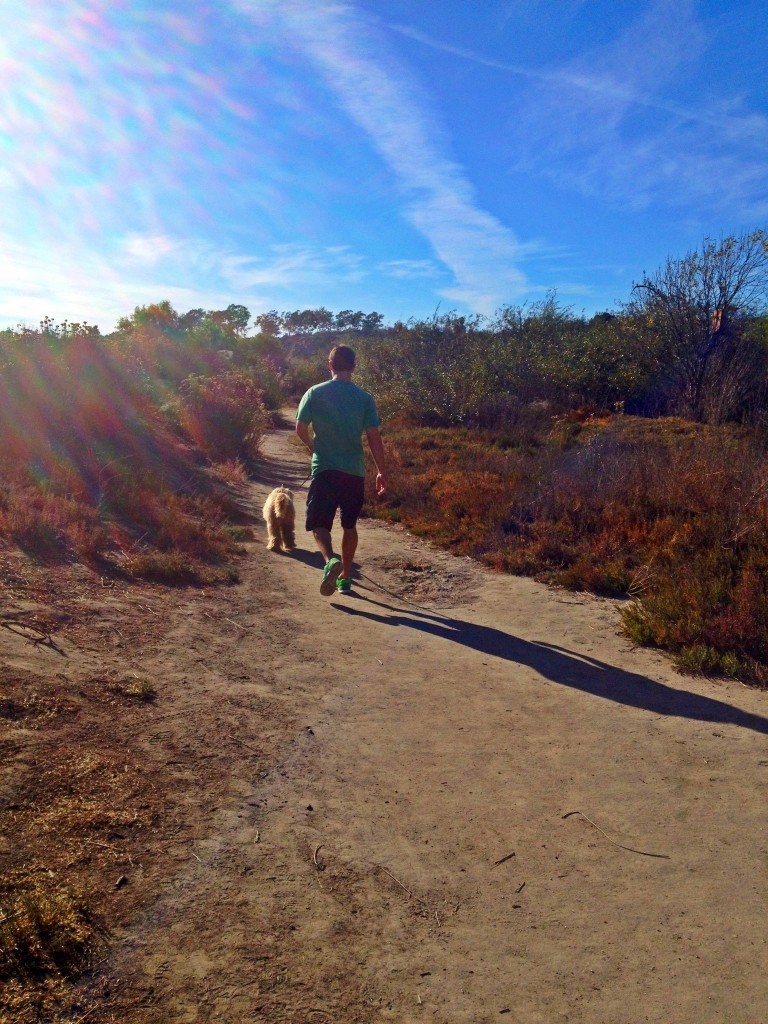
452	796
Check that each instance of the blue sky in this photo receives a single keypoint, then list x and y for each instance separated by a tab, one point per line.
388	155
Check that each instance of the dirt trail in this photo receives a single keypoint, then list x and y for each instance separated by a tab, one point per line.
375	806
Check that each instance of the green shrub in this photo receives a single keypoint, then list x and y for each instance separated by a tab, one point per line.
225	415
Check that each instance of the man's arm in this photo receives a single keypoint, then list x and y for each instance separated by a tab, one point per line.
302	429
377	451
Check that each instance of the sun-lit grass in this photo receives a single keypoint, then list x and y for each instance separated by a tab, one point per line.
45	929
93	468
672	514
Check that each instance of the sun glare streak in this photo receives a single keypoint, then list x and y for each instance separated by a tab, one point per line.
124	96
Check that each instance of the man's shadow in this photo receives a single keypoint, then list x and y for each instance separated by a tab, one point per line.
562	666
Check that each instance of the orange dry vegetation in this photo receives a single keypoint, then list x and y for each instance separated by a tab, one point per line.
93	469
670	513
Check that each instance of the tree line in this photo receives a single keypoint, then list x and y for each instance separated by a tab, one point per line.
692	340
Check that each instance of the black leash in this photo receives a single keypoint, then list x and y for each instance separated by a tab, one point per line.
399	597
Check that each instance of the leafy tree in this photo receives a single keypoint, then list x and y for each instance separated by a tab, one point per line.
699	308
371	322
609	362
193	318
270	323
435	371
164	347
157	316
308	321
348	320
318	321
234	317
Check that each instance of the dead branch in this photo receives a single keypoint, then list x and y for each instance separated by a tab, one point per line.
39	637
631	849
11	917
509	856
405	887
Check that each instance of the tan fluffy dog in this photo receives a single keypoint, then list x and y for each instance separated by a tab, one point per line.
280	518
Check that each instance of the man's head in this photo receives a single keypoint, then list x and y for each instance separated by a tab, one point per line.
341	359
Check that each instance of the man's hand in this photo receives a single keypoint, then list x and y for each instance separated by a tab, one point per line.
377	451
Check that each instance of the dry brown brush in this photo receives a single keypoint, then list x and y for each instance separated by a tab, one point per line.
92	468
671	514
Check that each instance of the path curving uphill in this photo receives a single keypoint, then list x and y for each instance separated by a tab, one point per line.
385	796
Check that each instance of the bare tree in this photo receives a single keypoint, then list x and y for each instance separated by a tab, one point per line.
700	309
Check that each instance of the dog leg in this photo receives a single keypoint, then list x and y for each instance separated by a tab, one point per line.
273	538
288	537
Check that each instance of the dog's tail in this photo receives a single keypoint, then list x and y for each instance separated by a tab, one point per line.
282	501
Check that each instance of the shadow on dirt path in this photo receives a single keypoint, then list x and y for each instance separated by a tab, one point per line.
378	818
567	667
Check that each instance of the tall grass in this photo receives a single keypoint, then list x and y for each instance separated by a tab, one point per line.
670	514
92	468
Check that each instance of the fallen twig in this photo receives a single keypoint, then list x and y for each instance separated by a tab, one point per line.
11	917
509	856
631	849
42	639
224	617
411	894
242	744
314	857
95	842
86	1014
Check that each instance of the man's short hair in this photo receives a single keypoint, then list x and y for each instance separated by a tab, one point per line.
341	358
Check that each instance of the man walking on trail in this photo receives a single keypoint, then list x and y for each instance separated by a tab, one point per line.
340	412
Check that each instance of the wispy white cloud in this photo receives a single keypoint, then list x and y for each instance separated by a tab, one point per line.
409	269
604	124
377	94
38	281
147	250
77	285
294	264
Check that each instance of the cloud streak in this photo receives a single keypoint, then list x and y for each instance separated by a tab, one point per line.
139	269
602	124
376	93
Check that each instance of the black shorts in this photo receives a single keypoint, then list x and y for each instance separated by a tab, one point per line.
330	491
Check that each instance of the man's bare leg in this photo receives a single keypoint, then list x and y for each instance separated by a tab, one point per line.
348	548
324	542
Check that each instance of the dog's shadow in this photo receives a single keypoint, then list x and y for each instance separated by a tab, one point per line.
562	666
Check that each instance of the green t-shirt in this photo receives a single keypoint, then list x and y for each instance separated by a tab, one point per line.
339	412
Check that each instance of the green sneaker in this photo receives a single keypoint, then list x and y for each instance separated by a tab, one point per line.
331	573
344	585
